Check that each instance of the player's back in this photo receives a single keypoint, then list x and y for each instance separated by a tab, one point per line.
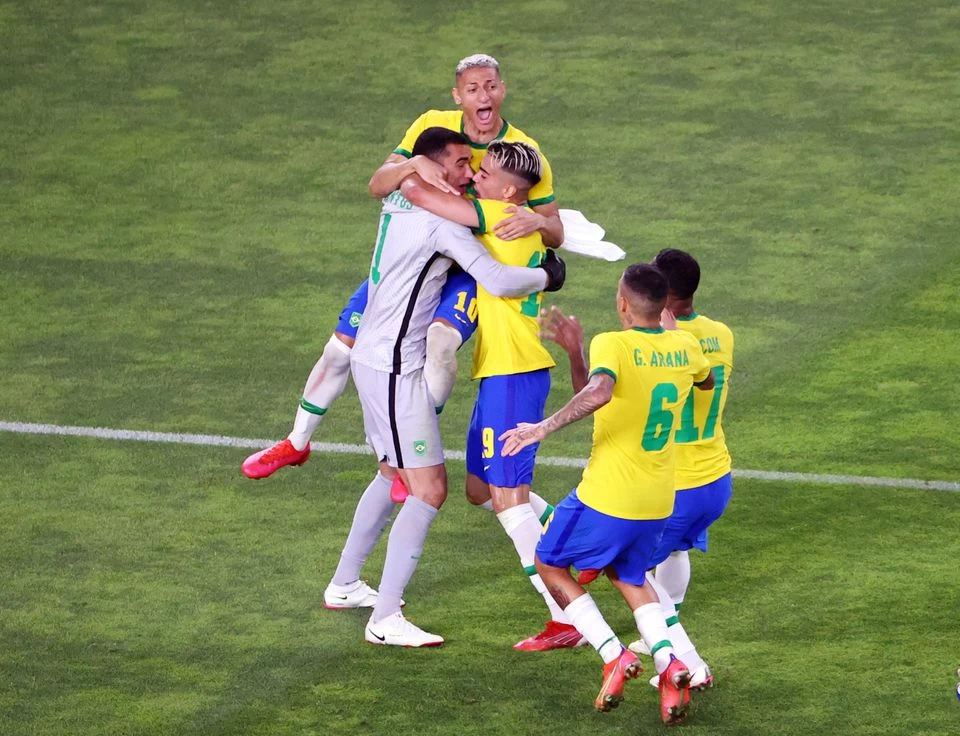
508	336
406	277
702	454
630	470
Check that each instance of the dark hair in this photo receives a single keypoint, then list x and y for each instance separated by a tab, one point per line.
434	141
648	283
681	270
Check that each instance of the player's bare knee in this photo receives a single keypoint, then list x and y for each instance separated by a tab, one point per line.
477	492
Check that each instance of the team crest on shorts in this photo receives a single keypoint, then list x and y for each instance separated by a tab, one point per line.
420	447
355	319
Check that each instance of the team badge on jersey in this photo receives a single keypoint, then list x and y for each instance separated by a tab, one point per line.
355	319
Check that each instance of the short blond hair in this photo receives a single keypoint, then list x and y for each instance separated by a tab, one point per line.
474	61
519	158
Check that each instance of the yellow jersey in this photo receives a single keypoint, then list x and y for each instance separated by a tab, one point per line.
542	193
702	454
630	471
508	336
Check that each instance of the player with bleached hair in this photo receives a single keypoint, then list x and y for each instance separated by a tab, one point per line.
479	92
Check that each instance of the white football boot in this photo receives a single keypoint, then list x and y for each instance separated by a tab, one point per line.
639	647
354	595
395	630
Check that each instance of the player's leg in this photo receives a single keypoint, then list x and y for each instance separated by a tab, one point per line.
408	437
502	403
346	589
628	574
478	494
454	322
325	383
578	535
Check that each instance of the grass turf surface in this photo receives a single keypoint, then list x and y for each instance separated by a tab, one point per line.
183	214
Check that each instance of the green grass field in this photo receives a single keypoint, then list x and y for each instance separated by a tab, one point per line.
183	212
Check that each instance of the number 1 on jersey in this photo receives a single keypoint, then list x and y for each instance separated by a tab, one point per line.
375	269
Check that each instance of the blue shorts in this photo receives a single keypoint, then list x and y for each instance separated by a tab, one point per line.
350	317
458	303
458	306
694	510
589	540
502	403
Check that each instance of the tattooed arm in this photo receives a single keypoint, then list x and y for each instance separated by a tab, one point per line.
597	392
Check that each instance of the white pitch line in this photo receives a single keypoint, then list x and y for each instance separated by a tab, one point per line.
215	440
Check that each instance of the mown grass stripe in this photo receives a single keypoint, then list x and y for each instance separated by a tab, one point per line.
216	440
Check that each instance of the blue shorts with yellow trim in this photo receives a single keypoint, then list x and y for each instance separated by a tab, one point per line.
458	303
458	306
587	539
349	321
502	403
694	509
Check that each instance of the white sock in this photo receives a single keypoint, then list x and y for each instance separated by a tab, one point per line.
440	370
524	529
541	507
584	614
326	382
653	629
684	648
673	574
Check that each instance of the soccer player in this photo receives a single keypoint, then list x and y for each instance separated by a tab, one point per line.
703	467
479	91
413	252
509	360
638	382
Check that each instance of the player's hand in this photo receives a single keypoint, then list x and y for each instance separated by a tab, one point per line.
668	320
521	222
563	330
521	436
433	174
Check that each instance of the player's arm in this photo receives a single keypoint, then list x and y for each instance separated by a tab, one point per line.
597	393
500	280
568	334
451	207
398	167
545	218
703	378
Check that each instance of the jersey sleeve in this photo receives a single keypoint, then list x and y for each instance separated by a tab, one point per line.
455	242
605	355
405	147
698	363
542	192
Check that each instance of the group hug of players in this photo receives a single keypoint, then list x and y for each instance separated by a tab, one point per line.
462	245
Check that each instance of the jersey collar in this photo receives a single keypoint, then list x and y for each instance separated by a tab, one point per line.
482	146
686	317
649	330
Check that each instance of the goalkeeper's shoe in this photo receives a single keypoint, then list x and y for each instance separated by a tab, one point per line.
700	679
354	595
674	686
615	673
395	630
267	462
555	635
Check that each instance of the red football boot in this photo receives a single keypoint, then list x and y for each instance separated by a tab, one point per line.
267	462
